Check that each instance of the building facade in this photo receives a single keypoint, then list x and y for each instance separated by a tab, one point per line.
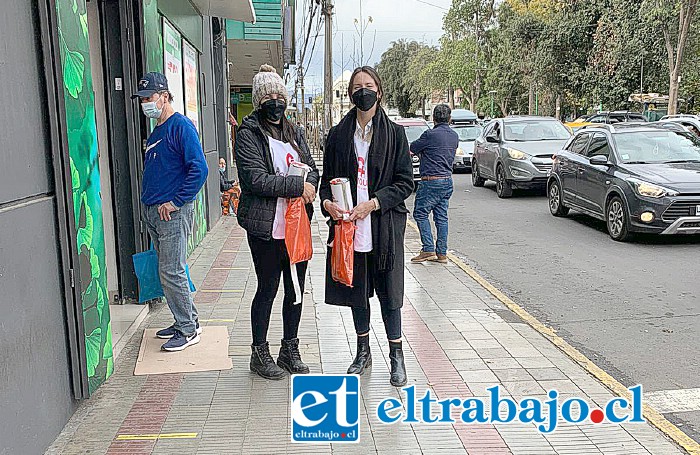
72	143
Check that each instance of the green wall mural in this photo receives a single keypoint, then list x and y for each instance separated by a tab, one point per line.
153	40
85	179
153	36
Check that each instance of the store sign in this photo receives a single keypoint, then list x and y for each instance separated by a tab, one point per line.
241	98
172	53
191	87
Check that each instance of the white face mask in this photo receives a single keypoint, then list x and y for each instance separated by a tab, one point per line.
151	110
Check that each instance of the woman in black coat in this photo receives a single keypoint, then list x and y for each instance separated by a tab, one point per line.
265	145
372	152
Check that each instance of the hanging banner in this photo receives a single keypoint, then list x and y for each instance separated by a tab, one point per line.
189	59
172	46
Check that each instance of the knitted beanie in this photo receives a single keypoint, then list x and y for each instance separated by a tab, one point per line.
267	82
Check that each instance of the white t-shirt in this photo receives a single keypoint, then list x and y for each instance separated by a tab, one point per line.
282	154
363	233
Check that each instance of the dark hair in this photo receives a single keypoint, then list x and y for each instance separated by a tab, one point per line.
441	113
169	93
372	73
287	132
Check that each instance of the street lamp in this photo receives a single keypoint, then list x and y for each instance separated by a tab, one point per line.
492	93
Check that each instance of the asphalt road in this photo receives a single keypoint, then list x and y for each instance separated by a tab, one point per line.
632	308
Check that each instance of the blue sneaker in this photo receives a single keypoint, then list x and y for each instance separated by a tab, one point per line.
170	332
180	342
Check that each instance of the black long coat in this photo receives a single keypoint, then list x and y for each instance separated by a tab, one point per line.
390	180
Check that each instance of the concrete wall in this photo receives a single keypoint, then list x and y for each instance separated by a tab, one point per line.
35	390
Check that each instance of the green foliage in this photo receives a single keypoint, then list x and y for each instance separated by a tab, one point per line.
392	69
586	53
85	183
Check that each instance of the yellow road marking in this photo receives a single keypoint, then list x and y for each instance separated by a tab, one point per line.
650	414
151	437
234	251
220	290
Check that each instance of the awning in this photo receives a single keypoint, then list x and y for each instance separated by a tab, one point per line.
240	10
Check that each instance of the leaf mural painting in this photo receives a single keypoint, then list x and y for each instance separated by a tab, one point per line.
85	183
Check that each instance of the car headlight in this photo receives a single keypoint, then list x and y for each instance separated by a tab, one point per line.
650	189
517	154
460	152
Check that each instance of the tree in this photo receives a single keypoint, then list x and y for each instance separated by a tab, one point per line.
400	77
674	19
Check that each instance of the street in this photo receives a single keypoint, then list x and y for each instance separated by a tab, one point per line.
632	308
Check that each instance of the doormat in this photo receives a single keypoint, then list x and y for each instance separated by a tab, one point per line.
211	353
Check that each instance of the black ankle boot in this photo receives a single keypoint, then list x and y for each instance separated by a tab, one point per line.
363	358
290	359
261	362
398	369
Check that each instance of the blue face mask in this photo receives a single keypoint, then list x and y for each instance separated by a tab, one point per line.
151	110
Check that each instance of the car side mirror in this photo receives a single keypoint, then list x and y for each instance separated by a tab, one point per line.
599	160
492	138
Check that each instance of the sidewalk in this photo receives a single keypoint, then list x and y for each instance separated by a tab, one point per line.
458	340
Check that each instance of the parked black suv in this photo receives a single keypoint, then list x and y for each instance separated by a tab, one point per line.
635	177
616	117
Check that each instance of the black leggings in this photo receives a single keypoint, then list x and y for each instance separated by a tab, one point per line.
271	260
391	318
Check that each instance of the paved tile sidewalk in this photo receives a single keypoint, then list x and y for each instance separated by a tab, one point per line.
459	341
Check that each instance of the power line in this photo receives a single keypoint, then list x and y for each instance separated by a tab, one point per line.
433	5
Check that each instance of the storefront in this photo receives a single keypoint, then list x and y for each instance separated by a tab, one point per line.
70	184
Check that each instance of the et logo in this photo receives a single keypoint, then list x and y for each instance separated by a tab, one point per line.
325	408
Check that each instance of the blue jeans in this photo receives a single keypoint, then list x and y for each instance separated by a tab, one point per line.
170	241
433	196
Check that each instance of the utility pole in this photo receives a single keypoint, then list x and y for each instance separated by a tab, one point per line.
303	100
328	72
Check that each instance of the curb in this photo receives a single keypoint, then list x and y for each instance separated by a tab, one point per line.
650	414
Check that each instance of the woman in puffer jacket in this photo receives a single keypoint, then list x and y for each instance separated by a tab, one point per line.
265	146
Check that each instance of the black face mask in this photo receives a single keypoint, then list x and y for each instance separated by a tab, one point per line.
273	110
364	99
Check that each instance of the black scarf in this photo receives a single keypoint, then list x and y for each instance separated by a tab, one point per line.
380	166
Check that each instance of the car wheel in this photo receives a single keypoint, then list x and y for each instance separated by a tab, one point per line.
556	204
477	181
617	220
503	187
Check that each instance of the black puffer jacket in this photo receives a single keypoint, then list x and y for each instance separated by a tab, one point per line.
260	187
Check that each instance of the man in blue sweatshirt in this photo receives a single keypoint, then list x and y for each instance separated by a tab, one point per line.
174	171
436	149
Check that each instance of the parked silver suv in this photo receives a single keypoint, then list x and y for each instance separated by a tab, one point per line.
516	152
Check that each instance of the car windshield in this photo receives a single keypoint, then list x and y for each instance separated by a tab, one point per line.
657	147
413	132
535	130
467	133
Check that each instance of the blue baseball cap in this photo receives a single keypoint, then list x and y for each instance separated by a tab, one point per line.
151	83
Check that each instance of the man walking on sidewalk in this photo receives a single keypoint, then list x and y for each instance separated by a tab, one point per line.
174	171
436	149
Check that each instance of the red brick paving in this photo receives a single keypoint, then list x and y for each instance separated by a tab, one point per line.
446	382
148	413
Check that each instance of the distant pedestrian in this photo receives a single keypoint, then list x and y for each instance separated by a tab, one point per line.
436	148
174	171
267	143
372	152
230	191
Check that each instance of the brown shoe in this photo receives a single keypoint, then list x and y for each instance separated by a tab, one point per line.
424	256
441	258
